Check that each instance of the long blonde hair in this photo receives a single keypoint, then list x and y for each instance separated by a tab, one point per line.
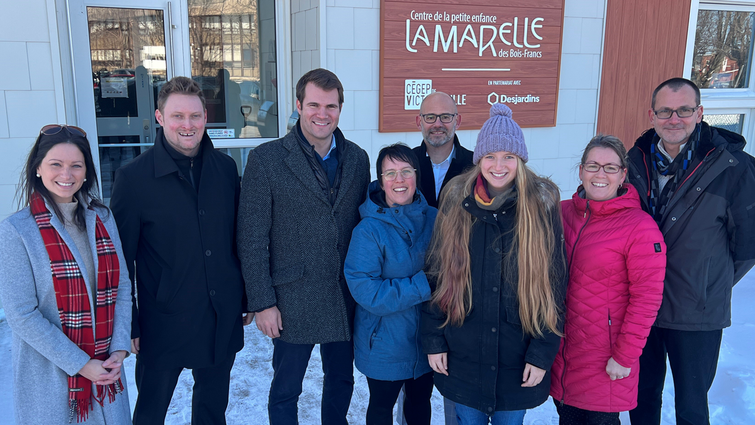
535	244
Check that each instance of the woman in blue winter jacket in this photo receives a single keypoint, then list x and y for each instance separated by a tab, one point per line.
383	269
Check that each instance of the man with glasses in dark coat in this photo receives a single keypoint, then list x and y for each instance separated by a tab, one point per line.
441	156
699	186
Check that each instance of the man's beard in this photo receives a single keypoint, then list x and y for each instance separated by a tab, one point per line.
435	142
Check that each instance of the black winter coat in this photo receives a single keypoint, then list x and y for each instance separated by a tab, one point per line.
181	243
708	226
488	353
460	163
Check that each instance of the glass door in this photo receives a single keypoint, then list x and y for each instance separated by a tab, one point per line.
233	57
123	57
124	52
128	69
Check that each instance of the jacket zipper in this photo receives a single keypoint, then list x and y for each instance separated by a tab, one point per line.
191	172
587	215
693	171
563	375
610	337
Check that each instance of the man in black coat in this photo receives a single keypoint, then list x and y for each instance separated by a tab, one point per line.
299	204
441	156
175	206
699	185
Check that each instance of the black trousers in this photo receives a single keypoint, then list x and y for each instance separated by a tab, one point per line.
209	394
289	366
570	415
693	356
383	394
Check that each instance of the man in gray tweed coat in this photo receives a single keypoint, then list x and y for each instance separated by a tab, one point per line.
299	204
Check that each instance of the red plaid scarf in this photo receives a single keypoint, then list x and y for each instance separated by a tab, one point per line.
73	305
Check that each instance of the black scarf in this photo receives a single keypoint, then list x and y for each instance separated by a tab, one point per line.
330	191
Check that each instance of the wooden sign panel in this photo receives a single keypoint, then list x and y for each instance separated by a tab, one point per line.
480	52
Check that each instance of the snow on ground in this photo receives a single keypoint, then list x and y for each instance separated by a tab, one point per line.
731	400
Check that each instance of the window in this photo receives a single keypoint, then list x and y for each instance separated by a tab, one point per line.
723	49
731	122
233	59
719	61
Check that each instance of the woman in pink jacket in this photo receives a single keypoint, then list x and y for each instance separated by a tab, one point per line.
617	261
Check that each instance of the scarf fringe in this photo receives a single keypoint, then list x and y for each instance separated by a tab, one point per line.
80	409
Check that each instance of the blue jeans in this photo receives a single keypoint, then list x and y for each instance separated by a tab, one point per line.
289	366
449	411
469	416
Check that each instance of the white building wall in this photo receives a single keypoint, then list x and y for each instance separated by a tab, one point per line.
353	53
30	86
305	38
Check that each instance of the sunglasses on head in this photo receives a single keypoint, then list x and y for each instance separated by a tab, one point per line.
52	129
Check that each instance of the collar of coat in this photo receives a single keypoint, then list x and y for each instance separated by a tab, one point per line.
708	140
297	162
299	138
628	198
164	163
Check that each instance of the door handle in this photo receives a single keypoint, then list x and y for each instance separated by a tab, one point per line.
146	125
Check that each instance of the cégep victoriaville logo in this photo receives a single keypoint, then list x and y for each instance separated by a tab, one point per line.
415	92
494	98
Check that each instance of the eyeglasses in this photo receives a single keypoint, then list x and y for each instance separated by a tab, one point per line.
406	173
683	112
444	118
594	167
52	129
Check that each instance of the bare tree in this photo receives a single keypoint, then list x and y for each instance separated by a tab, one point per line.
722	37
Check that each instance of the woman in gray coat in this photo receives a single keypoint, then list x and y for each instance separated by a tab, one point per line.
65	290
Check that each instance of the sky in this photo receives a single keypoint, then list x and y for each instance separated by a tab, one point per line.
731	400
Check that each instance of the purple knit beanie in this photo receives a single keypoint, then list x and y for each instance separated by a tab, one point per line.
500	133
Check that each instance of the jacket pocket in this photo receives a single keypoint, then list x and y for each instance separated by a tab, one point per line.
512	316
374	335
513	343
288	275
166	290
703	291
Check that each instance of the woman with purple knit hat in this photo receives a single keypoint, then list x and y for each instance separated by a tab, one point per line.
497	269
